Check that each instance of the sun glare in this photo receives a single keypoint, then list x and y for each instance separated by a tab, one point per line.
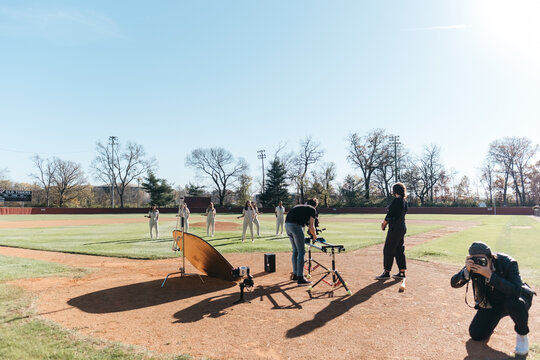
512	26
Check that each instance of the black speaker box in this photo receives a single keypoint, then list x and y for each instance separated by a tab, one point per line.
270	262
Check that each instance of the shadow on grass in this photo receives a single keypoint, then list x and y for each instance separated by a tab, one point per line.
337	308
146	294
128	241
221	238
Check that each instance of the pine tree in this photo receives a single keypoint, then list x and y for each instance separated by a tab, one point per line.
160	192
276	185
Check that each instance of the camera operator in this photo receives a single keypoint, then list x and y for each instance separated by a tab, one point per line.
297	218
498	291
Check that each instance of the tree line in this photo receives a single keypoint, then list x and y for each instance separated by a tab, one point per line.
509	175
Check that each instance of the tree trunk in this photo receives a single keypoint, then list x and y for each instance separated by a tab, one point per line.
366	186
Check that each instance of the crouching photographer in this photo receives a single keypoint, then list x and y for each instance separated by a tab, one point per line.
498	292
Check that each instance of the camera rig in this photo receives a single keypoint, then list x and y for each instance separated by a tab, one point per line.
239	273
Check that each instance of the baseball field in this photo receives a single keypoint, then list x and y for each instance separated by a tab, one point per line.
89	287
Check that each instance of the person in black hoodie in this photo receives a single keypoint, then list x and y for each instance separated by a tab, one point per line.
394	245
499	292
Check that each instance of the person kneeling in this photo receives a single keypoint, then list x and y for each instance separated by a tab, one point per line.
498	291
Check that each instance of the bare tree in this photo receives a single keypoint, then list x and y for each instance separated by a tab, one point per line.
367	153
45	176
431	168
525	151
464	189
121	168
488	179
384	174
423	174
69	180
309	154
220	166
325	176
411	176
535	183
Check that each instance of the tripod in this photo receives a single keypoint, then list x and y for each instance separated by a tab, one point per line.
182	270
337	279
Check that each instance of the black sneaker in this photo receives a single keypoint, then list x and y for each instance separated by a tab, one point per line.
384	276
303	281
294	277
399	275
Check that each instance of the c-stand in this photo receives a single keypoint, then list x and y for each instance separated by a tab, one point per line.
180	219
330	249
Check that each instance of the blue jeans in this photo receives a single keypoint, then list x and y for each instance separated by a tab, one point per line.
295	233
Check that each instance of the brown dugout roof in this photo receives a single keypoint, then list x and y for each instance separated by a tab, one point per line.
203	256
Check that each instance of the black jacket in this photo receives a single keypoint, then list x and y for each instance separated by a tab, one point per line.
396	215
505	280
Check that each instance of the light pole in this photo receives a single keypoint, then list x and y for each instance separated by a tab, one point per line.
394	140
261	155
112	142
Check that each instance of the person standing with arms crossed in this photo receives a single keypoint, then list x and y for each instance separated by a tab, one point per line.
394	245
297	218
280	219
248	215
210	218
153	215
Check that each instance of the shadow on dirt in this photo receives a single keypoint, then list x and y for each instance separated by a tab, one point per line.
217	306
337	308
146	294
481	350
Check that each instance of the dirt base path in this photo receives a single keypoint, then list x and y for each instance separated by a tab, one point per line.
123	301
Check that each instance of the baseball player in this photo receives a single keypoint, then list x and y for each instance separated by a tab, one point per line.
280	219
153	216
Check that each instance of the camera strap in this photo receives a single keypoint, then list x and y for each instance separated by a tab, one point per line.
466	292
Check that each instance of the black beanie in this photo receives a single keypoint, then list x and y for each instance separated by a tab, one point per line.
479	247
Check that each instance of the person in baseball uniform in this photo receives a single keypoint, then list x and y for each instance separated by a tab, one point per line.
256	218
153	216
280	219
248	215
210	218
184	214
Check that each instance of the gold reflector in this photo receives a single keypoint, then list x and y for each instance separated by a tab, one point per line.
203	256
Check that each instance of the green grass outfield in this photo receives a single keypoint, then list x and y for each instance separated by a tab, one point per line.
132	239
517	236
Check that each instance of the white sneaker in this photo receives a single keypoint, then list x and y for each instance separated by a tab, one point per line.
522	345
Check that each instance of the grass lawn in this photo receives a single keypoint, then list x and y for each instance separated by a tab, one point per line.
132	240
23	335
517	236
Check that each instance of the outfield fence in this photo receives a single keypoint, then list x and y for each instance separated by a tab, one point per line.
514	210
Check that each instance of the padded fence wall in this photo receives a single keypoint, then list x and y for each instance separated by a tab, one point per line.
238	210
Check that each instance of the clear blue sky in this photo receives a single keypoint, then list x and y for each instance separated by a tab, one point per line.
245	75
